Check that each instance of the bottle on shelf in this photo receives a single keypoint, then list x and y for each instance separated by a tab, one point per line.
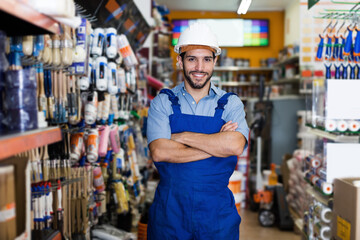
273	177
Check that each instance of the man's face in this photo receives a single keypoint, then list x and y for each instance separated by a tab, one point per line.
198	66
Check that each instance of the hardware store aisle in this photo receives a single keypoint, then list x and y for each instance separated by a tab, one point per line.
250	229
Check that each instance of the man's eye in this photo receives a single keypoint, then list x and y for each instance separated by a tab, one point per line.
208	59
191	59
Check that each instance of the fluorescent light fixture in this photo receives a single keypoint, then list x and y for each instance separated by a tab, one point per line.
244	6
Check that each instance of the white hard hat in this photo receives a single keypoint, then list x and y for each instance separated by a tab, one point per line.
198	34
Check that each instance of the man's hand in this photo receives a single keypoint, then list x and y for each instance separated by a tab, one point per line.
229	126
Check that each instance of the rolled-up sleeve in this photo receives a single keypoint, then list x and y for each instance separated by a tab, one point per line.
234	111
158	125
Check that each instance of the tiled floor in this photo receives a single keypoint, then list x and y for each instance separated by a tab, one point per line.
250	229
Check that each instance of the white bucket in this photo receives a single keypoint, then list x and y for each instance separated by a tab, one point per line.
235	182
238	199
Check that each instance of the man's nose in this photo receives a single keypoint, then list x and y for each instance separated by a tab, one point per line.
199	66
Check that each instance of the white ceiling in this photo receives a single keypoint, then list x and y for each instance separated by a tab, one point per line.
223	5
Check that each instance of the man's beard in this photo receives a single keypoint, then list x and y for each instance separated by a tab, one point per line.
193	84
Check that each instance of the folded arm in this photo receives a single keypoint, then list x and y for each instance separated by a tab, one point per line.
166	150
223	144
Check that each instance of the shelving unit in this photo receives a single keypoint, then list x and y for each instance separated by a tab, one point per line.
235	84
294	80
24	20
335	137
238	69
318	196
13	144
161	64
292	59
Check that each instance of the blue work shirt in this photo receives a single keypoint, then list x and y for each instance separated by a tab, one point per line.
158	125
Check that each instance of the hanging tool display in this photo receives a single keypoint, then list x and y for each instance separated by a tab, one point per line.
88	89
341	49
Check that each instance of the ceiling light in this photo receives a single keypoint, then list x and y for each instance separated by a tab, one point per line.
244	6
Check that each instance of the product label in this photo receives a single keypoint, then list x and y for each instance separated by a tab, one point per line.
81	29
343	228
56	43
100	40
66	44
92	143
110	39
7	213
113	77
102	70
125	51
48	43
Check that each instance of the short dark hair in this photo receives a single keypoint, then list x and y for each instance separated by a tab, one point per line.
182	55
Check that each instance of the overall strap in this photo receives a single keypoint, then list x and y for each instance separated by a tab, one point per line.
221	104
173	99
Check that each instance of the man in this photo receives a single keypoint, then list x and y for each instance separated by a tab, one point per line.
195	131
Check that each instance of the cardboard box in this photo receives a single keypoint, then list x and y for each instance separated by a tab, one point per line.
22	194
346	217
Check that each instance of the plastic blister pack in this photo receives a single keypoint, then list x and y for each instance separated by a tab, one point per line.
333	106
20	98
25	78
21	119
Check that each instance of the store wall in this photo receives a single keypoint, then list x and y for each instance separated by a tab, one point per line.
292	23
276	21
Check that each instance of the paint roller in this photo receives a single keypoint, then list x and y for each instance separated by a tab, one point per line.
91	108
330	125
322	231
111	43
98	42
354	126
323	213
342	125
112	78
101	73
325	187
104	132
92	147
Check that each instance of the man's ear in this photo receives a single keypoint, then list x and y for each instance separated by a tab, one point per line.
179	62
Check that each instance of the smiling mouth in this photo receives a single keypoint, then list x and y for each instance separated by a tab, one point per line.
198	74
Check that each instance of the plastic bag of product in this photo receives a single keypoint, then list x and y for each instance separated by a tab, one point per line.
27	45
98	42
56	58
16	98
111	43
66	46
21	119
101	73
126	51
25	78
20	98
47	53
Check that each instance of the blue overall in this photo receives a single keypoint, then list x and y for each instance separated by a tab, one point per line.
192	200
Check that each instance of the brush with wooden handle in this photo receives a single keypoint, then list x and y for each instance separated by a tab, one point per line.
49	94
60	98
47	54
56	96
65	99
46	164
41	97
71	101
